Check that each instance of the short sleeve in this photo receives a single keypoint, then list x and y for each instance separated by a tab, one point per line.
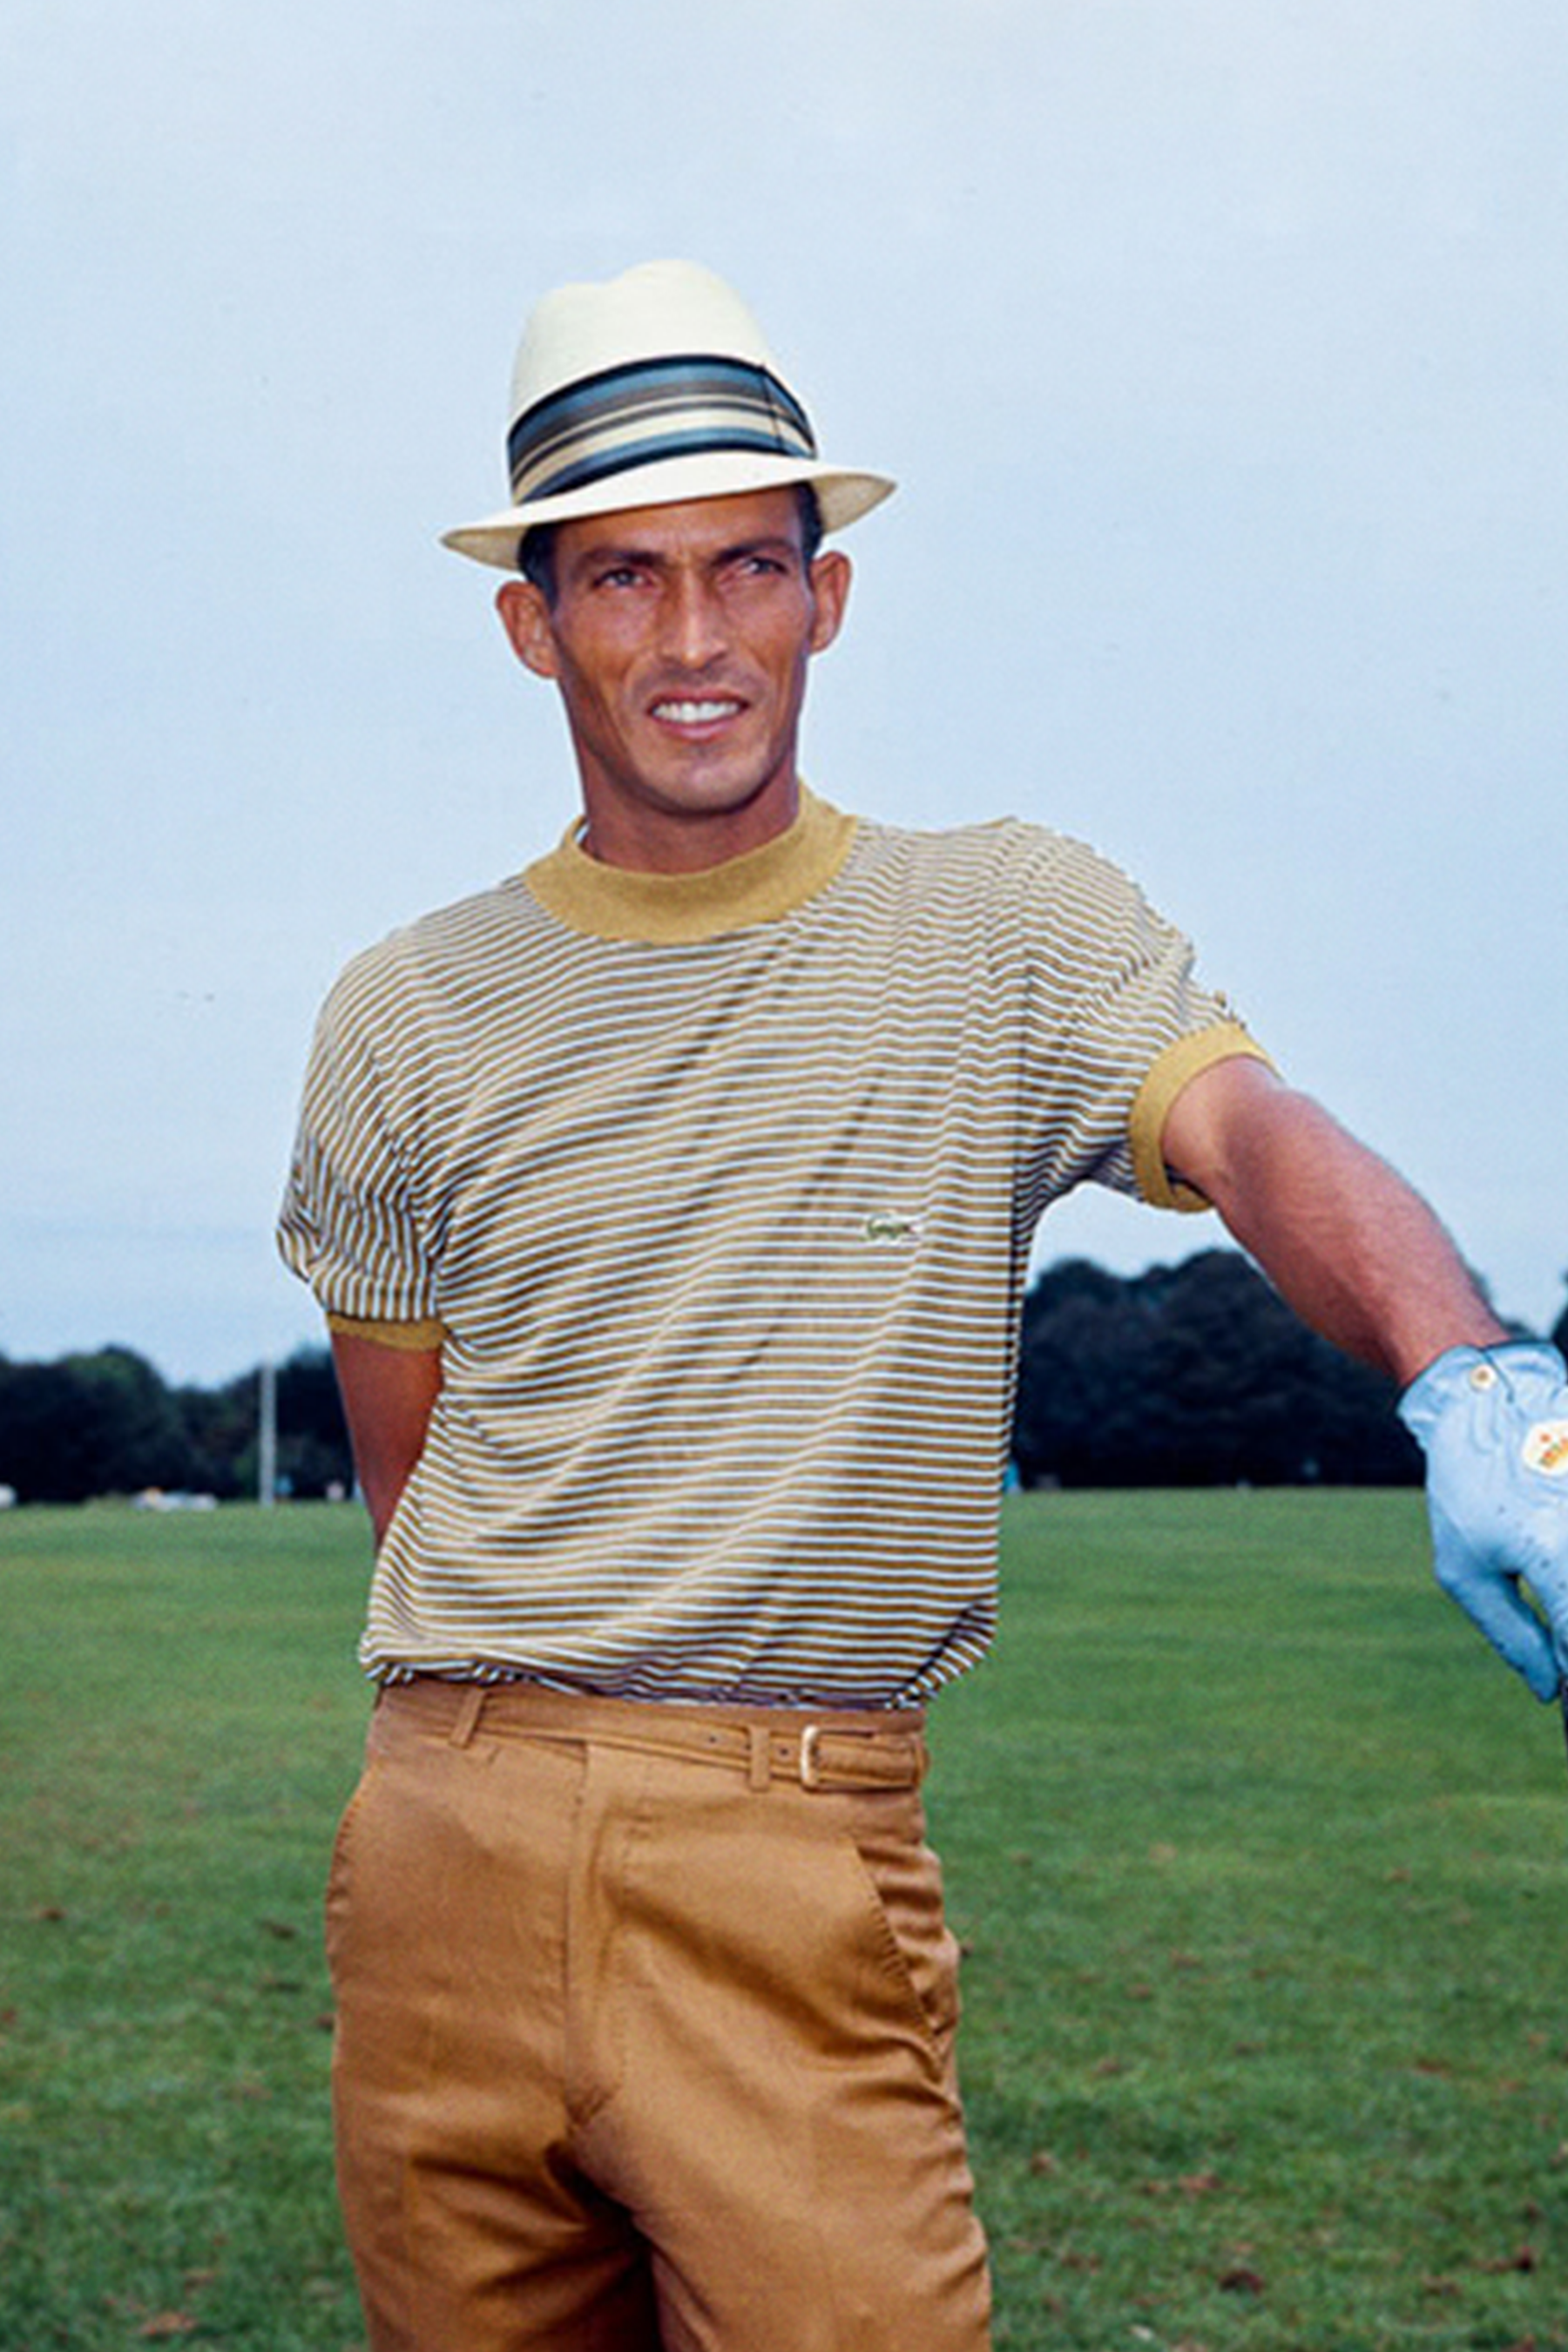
1117	1021
351	1223
1180	1063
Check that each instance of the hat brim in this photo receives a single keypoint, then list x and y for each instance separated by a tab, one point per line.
842	497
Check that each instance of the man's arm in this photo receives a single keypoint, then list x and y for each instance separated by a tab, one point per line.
1363	1259
388	1394
1357	1253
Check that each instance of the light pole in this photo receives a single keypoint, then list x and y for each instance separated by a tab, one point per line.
266	1438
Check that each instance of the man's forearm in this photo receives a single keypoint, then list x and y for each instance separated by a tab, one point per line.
1343	1238
388	1394
1363	1259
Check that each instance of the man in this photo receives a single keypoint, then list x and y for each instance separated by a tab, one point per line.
671	1206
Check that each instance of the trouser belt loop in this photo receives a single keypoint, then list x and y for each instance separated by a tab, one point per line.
467	1721
760	1762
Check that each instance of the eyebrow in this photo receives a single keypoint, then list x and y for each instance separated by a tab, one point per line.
603	551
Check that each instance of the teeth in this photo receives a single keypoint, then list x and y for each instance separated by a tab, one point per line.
694	714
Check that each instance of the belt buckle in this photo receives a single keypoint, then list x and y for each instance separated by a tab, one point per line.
810	1739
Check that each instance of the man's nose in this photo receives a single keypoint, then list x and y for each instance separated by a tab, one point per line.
694	624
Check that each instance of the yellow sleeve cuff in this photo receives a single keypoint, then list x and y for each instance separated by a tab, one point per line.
1176	1065
426	1334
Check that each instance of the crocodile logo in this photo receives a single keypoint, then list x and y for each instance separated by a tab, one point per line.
888	1225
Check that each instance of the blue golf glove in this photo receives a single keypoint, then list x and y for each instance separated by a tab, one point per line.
1494	1426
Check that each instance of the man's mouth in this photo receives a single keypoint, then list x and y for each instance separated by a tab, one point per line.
705	713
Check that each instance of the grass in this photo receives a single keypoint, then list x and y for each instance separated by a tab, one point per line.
1260	1861
182	1720
1258	1856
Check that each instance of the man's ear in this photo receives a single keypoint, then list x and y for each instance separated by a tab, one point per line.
830	575
525	617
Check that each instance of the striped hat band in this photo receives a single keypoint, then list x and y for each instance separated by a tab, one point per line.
648	410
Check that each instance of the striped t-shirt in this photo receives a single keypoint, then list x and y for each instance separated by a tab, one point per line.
717	1193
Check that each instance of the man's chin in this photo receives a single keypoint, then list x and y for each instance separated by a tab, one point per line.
697	790
693	820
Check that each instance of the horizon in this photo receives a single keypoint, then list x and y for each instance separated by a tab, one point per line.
320	1344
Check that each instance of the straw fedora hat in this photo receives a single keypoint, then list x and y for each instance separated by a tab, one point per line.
655	387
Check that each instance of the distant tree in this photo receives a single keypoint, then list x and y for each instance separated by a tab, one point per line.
1559	1328
313	1454
1080	1409
1195	1374
140	1439
96	1423
313	1451
105	1423
41	1450
220	1428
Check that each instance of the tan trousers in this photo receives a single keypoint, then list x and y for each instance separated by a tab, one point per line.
645	2033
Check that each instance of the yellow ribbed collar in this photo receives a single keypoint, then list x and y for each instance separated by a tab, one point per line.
612	902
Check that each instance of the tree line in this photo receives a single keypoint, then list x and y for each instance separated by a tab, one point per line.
106	1423
1195	1374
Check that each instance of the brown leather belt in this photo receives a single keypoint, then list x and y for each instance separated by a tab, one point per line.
833	1748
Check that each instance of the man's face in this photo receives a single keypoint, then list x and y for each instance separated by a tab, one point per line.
679	638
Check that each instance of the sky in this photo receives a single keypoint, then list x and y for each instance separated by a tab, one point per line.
1220	348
